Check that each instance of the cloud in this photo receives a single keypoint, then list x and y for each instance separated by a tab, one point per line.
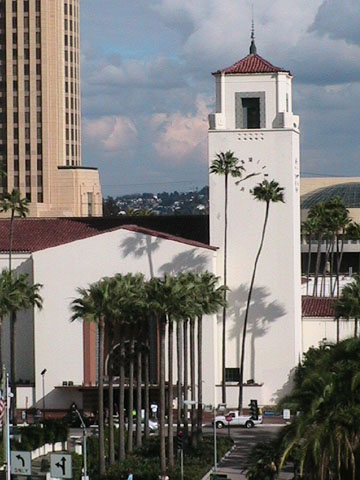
178	135
339	19
110	133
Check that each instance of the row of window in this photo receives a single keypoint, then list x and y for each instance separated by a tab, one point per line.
70	25
70	9
26	69
26	21
28	164
26	117
26	53
26	38
26	5
71	41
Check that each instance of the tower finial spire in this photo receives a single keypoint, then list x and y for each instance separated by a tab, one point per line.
252	46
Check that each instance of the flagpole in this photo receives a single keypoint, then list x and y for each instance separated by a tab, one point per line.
8	452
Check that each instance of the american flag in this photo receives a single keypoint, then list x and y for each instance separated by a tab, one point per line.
2	396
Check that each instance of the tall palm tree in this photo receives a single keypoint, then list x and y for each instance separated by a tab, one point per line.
21	296
210	299
93	305
156	299
317	214
308	229
18	206
225	164
268	192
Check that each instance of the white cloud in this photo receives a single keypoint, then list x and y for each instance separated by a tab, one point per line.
110	133
178	135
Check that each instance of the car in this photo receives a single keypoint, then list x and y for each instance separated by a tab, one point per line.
246	421
153	425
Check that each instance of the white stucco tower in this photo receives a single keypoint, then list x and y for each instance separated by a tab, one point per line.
254	119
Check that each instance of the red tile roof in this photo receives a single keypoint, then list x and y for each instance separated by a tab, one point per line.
34	234
251	64
318	306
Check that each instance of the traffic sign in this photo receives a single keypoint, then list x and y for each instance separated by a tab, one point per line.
20	463
60	465
228	418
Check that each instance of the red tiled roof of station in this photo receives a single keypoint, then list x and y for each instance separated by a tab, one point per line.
318	307
253	63
34	234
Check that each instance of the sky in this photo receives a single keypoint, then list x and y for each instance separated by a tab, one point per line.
147	87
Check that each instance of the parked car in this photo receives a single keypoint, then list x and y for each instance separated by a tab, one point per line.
237	420
153	425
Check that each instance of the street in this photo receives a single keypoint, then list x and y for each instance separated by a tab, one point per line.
244	440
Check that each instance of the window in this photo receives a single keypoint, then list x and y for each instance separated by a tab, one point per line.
232	374
250	110
27	117
28	196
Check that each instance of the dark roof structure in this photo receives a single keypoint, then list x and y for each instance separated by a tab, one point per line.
349	193
318	307
34	234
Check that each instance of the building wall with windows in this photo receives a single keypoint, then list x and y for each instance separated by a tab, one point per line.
40	103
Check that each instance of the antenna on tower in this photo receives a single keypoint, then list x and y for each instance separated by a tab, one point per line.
252	46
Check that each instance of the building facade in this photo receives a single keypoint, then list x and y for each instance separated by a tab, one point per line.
254	119
40	102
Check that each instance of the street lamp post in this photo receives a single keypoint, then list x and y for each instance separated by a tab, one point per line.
83	426
209	408
43	390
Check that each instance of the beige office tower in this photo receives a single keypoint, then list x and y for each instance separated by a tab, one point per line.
40	109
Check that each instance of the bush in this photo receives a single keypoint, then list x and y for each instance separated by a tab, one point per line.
34	436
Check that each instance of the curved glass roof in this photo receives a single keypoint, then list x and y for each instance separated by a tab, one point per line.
349	193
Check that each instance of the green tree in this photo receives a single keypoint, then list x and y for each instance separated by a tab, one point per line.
22	296
18	207
93	305
225	164
267	192
308	230
348	305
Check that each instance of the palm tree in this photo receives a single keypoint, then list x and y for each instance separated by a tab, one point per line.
317	214
93	305
156	299
225	164
308	229
348	305
18	207
268	192
210	298
21	296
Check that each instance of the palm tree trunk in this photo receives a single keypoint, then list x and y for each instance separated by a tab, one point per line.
146	389
355	327
131	396
13	366
138	396
111	416
223	379
337	330
186	370
170	395
200	399
122	399
309	265
162	328
179	371
192	377
11	237
242	361
317	266
101	396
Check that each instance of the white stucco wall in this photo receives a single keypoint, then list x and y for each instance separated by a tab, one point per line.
58	342
318	330
274	333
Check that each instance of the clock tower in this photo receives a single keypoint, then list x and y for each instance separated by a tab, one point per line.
254	119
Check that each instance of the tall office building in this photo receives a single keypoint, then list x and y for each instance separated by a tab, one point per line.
40	108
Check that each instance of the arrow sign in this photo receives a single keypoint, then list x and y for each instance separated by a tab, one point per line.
20	463
60	465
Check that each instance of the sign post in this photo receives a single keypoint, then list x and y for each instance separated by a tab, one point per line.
229	419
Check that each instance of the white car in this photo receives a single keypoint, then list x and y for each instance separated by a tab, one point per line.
153	426
237	420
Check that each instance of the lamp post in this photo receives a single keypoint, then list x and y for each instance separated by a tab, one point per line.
43	390
83	426
208	408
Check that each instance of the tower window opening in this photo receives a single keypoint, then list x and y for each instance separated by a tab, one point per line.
251	112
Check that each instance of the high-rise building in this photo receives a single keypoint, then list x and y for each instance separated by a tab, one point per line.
40	108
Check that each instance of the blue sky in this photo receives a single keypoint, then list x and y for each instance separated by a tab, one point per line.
147	86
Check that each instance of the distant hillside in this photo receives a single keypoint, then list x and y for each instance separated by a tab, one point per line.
174	203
